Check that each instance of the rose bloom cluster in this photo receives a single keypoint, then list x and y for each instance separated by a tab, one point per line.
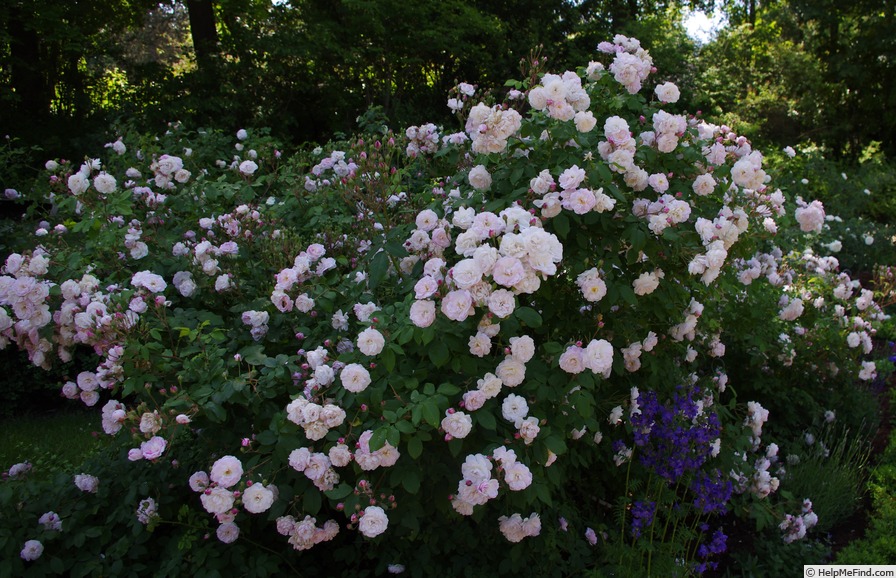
310	263
26	295
498	263
316	420
560	97
475	266
631	65
489	128
478	486
306	534
572	196
220	497
103	182
335	167
832	294
207	251
516	528
423	139
168	169
794	527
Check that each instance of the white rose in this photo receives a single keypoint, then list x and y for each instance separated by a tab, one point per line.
479	178
371	341
374	522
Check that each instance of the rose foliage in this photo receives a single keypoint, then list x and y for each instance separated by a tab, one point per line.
501	348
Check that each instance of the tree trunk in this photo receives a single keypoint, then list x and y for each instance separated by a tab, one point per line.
26	72
203	30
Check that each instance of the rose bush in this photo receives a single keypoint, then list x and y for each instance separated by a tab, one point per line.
445	347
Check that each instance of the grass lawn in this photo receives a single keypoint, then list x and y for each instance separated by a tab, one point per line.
56	440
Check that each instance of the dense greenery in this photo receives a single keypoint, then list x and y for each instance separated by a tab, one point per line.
797	70
648	293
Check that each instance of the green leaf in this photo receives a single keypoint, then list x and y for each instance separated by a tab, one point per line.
486	419
561	225
393	436
56	565
438	353
339	492
215	412
411	481
627	293
555	444
449	389
253	355
541	490
378	439
415	447
379	268
529	316
404	426
388	359
311	501
430	413
267	438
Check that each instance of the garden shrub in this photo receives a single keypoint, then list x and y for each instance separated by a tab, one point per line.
496	350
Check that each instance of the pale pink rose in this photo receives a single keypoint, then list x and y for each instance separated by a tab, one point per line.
90	398
32	550
529	429
423	313
87	483
514	408
371	342
199	481
511	372
427	220
299	459
579	201
355	378
340	455
508	271
811	217
501	303
585	121
647	282
426	287
480	344
479	178
248	168
667	92
593	289
228	532
153	448
457	305
598	356
572	361
257	498
374	522
217	500
457	424
226	471
522	348
704	185
518	476
474	400
490	385
466	274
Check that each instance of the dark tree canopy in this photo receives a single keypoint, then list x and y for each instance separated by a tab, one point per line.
790	69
